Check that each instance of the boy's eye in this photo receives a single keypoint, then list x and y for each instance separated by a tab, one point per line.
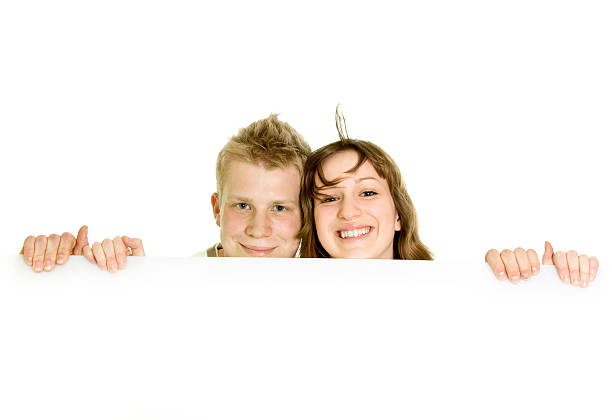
368	193
242	206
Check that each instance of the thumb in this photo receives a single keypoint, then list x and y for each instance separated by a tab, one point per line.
135	244
81	240
547	258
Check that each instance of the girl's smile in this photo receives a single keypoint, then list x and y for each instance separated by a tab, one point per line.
356	217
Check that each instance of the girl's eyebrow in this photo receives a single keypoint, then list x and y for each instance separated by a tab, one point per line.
337	185
367	178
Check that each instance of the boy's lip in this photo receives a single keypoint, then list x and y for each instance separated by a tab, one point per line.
258	251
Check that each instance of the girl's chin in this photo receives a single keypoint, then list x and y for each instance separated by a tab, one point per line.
362	253
354	254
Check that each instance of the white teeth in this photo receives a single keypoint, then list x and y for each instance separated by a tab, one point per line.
354	233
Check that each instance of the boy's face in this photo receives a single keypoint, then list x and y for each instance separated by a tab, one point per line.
258	211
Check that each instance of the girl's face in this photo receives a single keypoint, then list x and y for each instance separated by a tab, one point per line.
355	218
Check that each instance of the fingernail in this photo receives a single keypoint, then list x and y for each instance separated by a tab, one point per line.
121	264
111	267
47	265
60	258
37	266
501	275
29	261
534	269
566	278
515	278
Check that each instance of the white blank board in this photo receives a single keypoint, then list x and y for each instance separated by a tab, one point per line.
194	338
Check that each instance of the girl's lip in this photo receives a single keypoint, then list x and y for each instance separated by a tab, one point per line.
354	227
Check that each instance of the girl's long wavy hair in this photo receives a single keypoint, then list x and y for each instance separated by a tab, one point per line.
406	243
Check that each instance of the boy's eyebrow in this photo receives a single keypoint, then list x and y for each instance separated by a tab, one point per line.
294	202
250	200
238	198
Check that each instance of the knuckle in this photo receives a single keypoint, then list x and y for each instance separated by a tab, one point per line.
519	250
490	254
41	238
512	271
54	237
572	253
506	253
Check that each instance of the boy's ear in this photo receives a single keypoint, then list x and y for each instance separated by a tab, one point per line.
215	201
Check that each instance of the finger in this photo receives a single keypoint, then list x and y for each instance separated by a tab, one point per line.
593	267
534	261
40	246
547	258
497	265
583	262
81	240
574	267
28	249
523	263
109	251
512	268
51	251
98	254
560	261
121	252
135	244
66	245
88	253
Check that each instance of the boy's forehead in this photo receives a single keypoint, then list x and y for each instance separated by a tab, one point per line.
253	180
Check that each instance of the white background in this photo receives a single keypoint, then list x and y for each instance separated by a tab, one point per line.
195	338
498	113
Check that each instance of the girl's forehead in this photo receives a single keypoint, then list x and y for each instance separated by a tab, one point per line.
338	168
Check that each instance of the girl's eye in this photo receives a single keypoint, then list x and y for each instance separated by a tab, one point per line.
279	208
368	193
242	206
328	199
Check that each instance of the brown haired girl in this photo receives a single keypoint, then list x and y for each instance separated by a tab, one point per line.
355	205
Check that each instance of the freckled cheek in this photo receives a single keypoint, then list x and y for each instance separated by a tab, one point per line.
323	217
289	228
232	223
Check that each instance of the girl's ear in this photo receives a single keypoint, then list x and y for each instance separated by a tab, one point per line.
398	223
